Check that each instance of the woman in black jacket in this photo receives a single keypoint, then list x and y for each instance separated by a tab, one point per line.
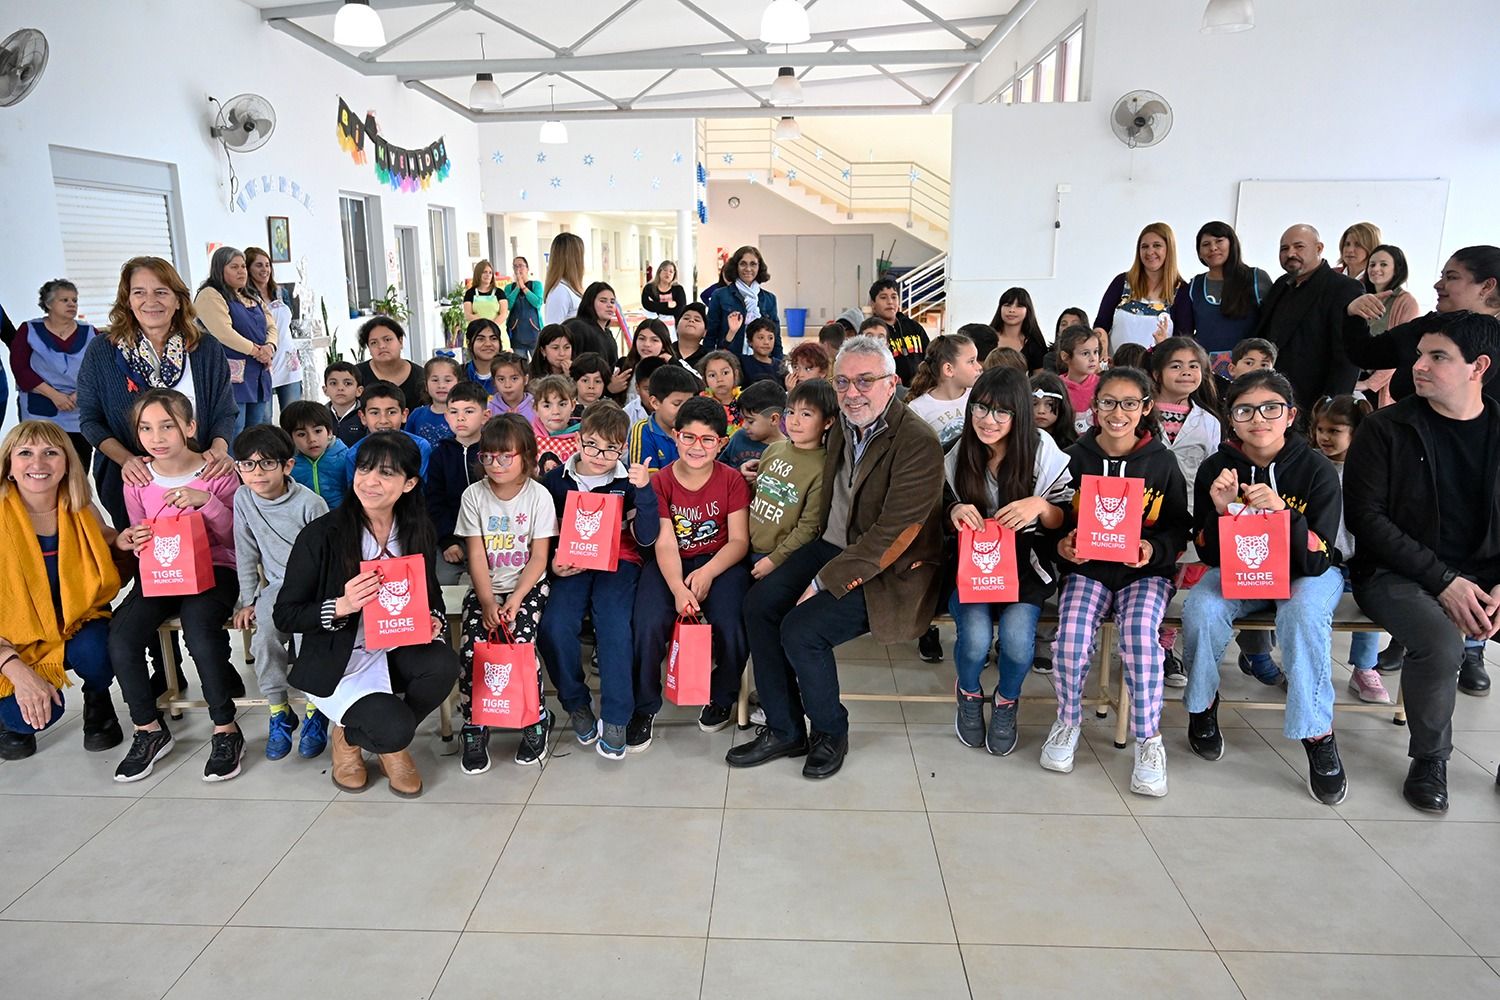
322	601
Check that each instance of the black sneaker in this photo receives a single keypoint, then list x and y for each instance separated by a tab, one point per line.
1041	664
533	748
101	726
1204	736
1173	674
585	725
714	718
16	746
1325	771
224	755
1000	738
968	718
638	732
146	748
930	647
476	749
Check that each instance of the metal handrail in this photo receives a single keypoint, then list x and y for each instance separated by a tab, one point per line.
924	288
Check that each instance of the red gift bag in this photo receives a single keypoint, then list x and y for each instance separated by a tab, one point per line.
691	662
987	570
177	562
1255	554
505	692
1109	518
399	615
589	535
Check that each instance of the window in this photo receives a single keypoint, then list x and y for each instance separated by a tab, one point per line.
442	273
355	222
1054	75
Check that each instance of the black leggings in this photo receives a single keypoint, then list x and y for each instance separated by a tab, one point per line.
387	723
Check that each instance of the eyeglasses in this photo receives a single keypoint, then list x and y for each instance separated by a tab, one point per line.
1244	412
498	459
264	464
706	440
995	413
863	383
1104	404
594	451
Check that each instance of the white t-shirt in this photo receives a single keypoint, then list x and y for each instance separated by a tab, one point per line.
946	416
507	527
561	303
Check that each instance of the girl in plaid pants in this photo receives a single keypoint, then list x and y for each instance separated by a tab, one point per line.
1123	443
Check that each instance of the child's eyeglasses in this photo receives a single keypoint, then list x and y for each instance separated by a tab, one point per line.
594	451
706	440
263	464
1244	413
1105	404
995	413
498	459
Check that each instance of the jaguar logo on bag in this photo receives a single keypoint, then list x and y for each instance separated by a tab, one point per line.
986	555
1252	549
1110	511
165	548
497	677
987	567
1257	566
587	525
395	596
507	692
399	615
589	535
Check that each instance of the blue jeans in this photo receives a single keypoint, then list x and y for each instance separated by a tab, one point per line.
977	627
251	414
1304	623
87	655
609	597
287	394
1364	647
655	615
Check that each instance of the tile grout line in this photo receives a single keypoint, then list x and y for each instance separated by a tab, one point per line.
1413	889
68	857
713	893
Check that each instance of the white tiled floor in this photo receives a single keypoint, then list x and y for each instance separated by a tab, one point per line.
925	869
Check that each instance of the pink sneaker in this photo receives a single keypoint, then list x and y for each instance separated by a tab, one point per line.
1366	685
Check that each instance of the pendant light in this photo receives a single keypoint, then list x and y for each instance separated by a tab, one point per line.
1222	17
785	23
554	132
787	89
357	26
788	129
483	94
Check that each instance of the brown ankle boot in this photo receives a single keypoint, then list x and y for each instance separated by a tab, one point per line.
348	764
401	771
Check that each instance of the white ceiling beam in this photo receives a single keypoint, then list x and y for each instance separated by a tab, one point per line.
323	8
597	93
986	49
895	79
755	46
439	69
405	36
554	49
599	27
523	84
656	83
757	98
943	23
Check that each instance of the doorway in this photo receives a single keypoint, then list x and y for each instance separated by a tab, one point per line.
409	274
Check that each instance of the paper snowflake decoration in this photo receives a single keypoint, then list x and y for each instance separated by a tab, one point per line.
752	178
915	174
556	182
523	194
728	157
791	175
541	157
611	180
588	159
775	152
677	157
817	154
845	174
655	183
498	157
636	153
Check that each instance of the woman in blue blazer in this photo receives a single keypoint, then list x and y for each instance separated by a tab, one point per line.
746	297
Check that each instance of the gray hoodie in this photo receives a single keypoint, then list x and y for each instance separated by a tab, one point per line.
264	531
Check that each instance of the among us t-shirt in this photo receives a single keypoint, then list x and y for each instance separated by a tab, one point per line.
700	518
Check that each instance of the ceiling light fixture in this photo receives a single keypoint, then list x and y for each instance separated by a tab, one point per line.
787	128
554	132
357	26
785	23
787	90
1223	17
484	95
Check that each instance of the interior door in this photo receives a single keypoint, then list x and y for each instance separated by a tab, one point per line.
853	270
780	256
815	276
410	274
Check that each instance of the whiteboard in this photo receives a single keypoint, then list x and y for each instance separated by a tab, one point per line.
1409	214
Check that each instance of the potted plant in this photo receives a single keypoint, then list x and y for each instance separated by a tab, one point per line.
452	314
392	305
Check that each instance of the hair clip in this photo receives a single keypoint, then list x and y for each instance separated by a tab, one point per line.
444	354
1044	394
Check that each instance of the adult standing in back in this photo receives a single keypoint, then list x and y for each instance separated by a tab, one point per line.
46	356
1304	317
908	339
286	365
1355	247
663	297
1136	308
563	289
735	306
1386	272
230	311
385	339
1221	306
482	300
523	316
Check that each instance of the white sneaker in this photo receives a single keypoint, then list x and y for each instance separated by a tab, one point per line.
1150	774
1057	752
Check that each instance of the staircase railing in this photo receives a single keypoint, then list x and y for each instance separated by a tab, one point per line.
902	187
924	288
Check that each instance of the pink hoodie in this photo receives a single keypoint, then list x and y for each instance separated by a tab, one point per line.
145	503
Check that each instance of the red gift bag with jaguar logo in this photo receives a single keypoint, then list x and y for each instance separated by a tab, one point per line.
399	615
987	571
177	562
1109	518
691	661
1255	554
505	691
589	535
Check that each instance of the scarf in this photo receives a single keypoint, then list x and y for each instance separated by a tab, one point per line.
153	372
751	294
87	579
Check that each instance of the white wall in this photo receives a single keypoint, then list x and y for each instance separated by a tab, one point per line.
1256	105
764	213
133	80
925	139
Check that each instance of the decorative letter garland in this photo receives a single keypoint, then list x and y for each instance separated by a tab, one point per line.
400	169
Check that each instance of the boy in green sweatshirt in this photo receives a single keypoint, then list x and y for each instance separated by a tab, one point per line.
789	479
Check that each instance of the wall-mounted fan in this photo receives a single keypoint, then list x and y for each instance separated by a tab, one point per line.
1141	118
23	56
243	123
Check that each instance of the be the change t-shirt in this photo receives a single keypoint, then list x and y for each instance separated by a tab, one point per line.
506	527
700	518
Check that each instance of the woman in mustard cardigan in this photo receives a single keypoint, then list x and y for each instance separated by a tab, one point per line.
57	579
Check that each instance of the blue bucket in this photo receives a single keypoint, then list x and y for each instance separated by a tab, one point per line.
796	322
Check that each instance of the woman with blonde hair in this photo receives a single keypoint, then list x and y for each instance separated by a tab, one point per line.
1355	247
1136	308
57	579
242	322
563	289
152	343
663	296
483	299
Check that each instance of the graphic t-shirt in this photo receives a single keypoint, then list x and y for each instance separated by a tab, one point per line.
700	518
946	416
507	528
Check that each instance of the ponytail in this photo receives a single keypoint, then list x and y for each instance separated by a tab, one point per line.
942	351
923	382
